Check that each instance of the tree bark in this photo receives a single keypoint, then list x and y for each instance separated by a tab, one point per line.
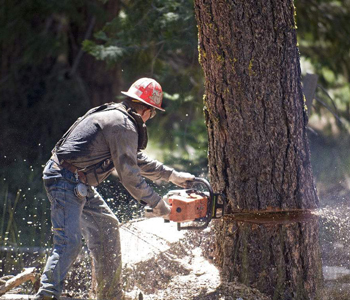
258	146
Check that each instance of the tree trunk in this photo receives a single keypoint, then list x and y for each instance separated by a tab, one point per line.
258	147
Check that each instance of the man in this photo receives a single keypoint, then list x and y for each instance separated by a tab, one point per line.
106	138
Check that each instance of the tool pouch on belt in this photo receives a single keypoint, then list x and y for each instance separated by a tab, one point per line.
80	190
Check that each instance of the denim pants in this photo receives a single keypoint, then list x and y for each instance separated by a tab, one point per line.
72	218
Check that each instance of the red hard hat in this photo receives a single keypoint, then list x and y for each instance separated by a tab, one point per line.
148	91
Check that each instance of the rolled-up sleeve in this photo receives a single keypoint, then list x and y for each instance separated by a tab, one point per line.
123	142
153	169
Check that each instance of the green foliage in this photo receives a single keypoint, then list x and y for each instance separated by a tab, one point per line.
107	53
144	29
323	28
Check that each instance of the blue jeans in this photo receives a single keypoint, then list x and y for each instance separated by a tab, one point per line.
72	217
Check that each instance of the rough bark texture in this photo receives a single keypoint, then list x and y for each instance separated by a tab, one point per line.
281	260
258	147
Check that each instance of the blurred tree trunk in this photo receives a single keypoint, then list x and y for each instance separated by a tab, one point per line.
258	147
45	73
103	82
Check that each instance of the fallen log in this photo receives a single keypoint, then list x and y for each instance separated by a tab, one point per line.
30	297
27	274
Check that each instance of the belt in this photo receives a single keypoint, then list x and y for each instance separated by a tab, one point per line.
81	175
49	181
68	166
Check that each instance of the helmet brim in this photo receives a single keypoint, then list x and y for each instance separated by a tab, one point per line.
133	96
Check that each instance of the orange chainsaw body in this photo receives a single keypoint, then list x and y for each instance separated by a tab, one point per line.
188	207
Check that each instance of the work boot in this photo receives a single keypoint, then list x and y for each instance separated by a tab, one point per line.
44	297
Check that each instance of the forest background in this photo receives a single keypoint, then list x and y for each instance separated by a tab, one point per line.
60	58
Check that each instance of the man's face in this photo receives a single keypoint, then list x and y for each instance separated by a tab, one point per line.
148	113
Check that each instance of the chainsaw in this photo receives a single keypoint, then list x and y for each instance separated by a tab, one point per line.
195	206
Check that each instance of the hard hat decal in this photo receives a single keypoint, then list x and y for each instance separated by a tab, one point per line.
156	97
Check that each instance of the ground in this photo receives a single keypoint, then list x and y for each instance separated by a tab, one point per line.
163	263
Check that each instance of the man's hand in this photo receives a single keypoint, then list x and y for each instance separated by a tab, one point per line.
181	179
162	209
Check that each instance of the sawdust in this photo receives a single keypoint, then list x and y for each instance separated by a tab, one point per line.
184	271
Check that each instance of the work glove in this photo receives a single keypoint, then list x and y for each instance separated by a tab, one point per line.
162	209
181	179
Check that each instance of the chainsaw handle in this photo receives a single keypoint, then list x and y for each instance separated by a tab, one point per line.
204	182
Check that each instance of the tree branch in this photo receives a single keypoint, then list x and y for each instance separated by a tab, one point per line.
81	52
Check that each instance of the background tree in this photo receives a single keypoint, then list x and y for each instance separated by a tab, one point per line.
323	42
46	82
258	147
43	66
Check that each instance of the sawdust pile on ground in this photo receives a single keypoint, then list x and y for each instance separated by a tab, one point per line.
184	271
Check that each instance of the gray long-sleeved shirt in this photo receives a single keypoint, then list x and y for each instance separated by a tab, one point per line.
108	140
